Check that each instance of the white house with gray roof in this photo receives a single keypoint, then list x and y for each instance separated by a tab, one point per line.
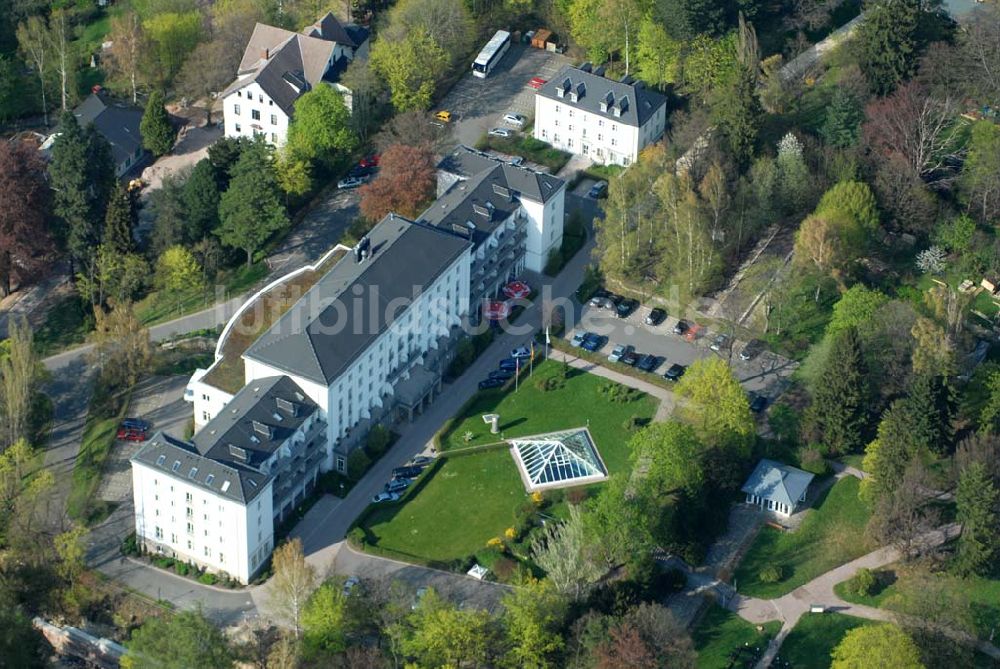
777	487
215	500
610	121
279	66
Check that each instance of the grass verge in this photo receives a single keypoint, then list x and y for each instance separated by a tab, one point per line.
831	535
527	147
98	439
809	644
720	633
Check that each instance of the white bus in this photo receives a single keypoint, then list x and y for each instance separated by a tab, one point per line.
491	54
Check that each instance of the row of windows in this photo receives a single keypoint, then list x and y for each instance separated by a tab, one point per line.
569	142
260	97
206	551
255	114
274	135
600	121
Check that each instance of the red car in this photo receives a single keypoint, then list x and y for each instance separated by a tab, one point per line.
536	82
370	161
128	434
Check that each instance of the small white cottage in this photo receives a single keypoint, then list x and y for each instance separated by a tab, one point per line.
777	487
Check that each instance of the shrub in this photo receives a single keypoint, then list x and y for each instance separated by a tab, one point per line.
771	574
863	583
182	568
615	392
358	463
811	460
378	442
356	537
633	423
208	578
547	383
163	562
554	263
130	545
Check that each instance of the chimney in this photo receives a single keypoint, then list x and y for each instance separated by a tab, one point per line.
265	54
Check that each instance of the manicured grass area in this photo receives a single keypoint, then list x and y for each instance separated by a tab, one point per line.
853	460
465	502
809	644
982	593
529	148
98	439
831	535
531	410
720	632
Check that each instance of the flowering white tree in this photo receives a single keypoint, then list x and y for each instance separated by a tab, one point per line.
793	181
931	260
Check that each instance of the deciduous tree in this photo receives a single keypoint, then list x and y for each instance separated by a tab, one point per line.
19	373
172	35
321	129
646	637
714	402
563	551
26	247
292	583
59	40
185	640
405	184
876	645
32	40
126	53
250	210
177	270
533	619
411	68
443	635
324	621
123	349
979	182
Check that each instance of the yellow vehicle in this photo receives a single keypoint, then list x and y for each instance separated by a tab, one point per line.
443	116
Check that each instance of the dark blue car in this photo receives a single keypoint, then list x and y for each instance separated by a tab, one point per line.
502	374
508	363
486	384
592	342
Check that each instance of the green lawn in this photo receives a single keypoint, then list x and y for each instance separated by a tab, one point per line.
467	501
532	411
97	442
809	644
720	632
162	306
855	460
831	535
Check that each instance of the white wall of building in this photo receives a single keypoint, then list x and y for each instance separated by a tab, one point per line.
208	402
193	523
239	111
545	228
602	138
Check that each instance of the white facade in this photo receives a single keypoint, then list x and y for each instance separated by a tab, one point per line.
601	137
249	112
192	523
545	228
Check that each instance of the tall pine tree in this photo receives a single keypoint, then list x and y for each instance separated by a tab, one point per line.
156	130
118	222
839	414
887	43
977	500
201	201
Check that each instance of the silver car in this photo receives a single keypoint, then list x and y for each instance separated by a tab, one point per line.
620	351
516	120
500	132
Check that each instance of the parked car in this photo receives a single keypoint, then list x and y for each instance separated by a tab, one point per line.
597	299
516	120
648	363
370	161
758	402
486	384
350	182
359	172
722	342
630	358
443	116
502	374
681	327
521	352
136	424
421	591
753	348
420	461
675	372
612	300
578	338
397	485
620	351
385	497
536	82
625	307
406	472
501	132
128	434
508	363
598	190
655	316
592	342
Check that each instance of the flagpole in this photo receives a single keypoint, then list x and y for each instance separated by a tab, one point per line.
517	372
531	360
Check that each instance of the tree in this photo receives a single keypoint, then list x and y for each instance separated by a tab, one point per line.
26	247
830	243
32	40
293	581
201	201
856	308
19	371
185	640
250	209
876	645
406	182
979	184
886	43
71	549
177	271
618	522
21	645
934	352
646	637
294	173
410	67
658	55
126	52
122	344
321	126
978	502
838	416
157	132
735	105
980	43
903	518
533	620
842	123
447	24
793	175
714	402
324	621
442	635
853	198
366	90
119	221
172	35
60	41
562	550
671	456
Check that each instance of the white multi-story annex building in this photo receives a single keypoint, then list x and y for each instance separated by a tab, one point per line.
279	66
366	344
610	121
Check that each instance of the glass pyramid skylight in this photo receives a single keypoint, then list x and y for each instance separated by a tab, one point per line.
558	459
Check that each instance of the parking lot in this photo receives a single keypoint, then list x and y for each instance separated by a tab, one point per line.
477	104
766	374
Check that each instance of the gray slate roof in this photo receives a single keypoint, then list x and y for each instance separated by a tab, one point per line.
776	481
593	88
117	122
259	418
526	183
346	310
180	460
331	29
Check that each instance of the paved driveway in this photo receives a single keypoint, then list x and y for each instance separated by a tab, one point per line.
319	229
766	374
477	104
